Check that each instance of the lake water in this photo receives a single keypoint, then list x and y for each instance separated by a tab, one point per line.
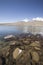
6	30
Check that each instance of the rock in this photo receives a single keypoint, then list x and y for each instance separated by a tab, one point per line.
37	48
26	42
9	37
35	44
12	43
7	54
25	57
24	51
22	47
35	56
16	53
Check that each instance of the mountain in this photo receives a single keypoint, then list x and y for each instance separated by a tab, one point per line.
22	23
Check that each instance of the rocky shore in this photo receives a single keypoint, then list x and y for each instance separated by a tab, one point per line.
22	49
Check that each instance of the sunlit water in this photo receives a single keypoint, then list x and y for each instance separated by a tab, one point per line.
5	30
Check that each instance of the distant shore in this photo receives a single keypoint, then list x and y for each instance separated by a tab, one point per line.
34	23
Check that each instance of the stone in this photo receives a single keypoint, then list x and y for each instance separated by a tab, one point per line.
16	53
26	42
35	44
23	51
8	36
37	48
35	56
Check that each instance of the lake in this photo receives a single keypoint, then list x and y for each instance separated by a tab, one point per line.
6	30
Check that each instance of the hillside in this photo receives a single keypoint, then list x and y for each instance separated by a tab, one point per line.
22	23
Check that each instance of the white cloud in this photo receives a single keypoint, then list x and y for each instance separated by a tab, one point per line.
38	19
26	20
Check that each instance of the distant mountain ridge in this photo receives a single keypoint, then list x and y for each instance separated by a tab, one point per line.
22	23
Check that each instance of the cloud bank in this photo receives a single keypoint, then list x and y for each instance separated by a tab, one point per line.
38	19
33	19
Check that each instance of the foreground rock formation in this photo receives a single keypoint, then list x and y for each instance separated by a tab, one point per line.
25	49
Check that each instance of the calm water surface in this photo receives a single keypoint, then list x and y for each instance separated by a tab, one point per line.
5	30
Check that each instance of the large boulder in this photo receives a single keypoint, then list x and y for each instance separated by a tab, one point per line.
35	56
16	53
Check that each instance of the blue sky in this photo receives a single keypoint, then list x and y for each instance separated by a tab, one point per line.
15	10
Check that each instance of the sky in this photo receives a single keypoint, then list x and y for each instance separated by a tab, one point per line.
16	10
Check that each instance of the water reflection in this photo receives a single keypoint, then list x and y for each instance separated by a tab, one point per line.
33	29
25	29
20	29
